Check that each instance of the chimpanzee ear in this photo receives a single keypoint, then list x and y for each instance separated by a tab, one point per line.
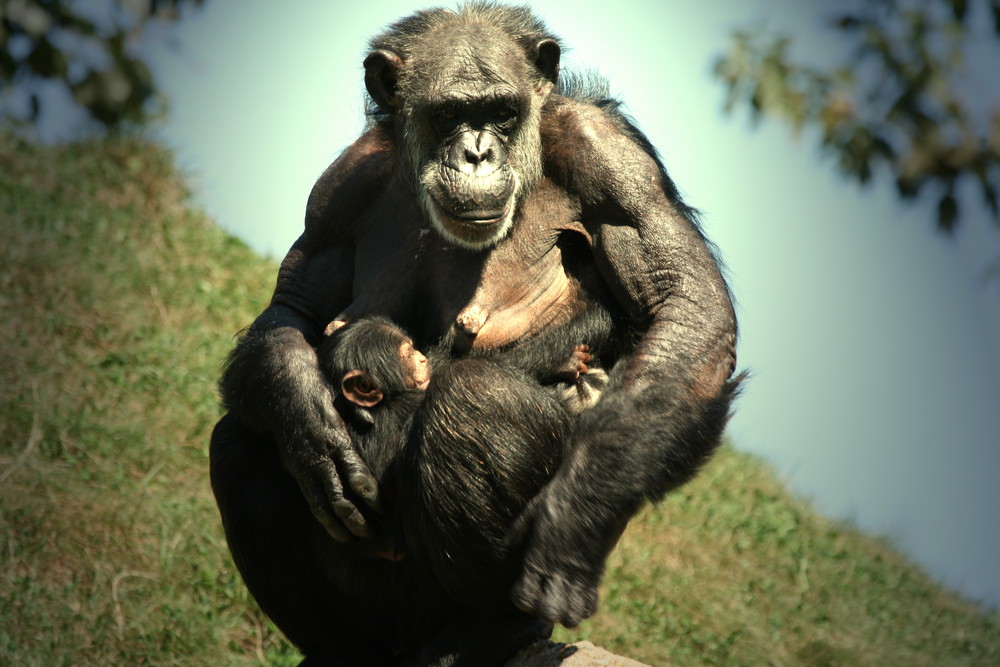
545	55
381	74
358	388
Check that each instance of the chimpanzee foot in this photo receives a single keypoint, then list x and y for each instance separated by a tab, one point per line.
485	641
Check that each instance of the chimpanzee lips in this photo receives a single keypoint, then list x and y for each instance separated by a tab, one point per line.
481	217
473	199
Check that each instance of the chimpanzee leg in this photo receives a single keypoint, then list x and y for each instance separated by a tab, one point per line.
487	439
285	556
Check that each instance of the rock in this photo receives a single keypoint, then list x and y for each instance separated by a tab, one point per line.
579	654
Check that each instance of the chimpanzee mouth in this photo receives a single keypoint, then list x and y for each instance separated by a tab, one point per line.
475	222
480	218
472	200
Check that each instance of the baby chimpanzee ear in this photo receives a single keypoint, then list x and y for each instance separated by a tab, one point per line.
358	388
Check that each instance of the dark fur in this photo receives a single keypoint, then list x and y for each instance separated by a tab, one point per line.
496	423
598	231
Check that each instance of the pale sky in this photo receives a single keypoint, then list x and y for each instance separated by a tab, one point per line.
875	349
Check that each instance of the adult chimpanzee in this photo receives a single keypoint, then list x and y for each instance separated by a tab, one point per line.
479	211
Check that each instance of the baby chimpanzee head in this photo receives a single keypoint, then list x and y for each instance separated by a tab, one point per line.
370	360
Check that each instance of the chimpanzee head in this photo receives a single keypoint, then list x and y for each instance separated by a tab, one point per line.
465	90
370	360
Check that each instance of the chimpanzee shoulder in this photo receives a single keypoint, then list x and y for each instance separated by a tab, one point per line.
354	180
590	142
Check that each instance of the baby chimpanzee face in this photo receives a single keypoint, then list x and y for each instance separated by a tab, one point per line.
416	368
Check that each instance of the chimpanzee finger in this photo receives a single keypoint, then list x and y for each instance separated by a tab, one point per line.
319	504
345	513
333	326
527	591
551	604
361	482
556	598
366	487
352	518
577	601
589	602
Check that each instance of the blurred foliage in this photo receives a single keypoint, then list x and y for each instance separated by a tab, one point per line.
87	47
899	99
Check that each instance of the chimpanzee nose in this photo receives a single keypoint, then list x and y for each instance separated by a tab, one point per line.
478	154
474	153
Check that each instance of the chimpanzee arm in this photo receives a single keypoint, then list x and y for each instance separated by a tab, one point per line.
272	381
666	404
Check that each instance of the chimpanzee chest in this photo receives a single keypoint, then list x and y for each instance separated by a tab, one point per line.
523	288
524	285
488	298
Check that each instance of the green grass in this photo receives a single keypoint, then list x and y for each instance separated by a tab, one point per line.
118	302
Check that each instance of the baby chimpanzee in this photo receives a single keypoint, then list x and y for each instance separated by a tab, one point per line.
376	369
369	361
373	359
452	420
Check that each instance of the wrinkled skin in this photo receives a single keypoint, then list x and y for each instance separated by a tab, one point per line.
553	201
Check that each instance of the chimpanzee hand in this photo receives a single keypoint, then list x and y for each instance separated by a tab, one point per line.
563	558
319	454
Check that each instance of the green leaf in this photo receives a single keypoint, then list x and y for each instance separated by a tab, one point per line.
947	213
46	60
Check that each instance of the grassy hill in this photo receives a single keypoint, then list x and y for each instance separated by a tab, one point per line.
118	302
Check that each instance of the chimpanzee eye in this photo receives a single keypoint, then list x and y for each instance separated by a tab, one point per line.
504	117
445	119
